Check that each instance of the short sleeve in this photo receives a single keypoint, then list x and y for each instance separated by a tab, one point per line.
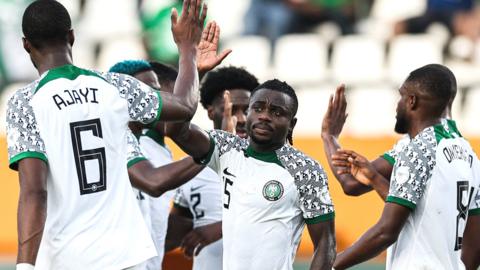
179	198
412	172
23	136
474	208
220	143
134	152
144	103
391	155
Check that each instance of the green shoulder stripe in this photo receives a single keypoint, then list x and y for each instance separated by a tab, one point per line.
388	158
474	212
321	218
13	163
135	161
69	72
401	202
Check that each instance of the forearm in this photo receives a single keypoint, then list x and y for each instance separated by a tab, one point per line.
178	227
324	254
32	210
471	243
156	181
190	138
381	185
187	83
372	243
349	184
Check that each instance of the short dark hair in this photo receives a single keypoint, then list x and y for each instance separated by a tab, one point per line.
437	82
46	22
165	73
283	87
226	78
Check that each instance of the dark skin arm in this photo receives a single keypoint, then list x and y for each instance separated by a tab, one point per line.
32	208
323	238
471	243
332	126
201	237
156	181
353	164
190	138
179	224
187	31
377	239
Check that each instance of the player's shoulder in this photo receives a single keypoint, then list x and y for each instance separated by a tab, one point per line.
420	152
300	164
23	95
226	141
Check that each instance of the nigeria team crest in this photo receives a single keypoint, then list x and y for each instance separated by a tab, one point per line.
272	190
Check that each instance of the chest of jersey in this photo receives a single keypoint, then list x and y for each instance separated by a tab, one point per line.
257	189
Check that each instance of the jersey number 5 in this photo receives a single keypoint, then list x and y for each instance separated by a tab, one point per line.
89	185
462	207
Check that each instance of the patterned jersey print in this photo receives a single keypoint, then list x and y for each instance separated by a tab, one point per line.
133	147
413	168
22	132
310	178
144	105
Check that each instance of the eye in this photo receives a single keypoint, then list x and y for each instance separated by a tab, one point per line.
257	109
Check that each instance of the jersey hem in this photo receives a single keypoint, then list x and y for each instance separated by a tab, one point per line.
135	161
474	212
319	219
389	159
13	163
400	201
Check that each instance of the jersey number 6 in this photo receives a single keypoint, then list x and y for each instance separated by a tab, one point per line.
88	186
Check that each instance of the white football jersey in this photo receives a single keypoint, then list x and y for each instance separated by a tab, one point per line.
267	199
203	197
76	121
154	149
437	176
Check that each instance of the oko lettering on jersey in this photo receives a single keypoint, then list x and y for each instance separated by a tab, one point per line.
80	96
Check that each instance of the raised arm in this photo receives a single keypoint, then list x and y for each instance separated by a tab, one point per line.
32	208
377	239
156	181
207	57
187	31
332	126
324	244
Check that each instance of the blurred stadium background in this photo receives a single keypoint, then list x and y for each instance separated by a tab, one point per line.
312	44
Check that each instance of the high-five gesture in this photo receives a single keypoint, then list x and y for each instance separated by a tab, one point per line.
335	116
349	162
207	58
187	30
229	121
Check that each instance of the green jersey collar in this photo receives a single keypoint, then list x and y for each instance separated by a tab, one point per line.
270	156
69	72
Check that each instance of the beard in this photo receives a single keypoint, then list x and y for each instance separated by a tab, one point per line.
401	126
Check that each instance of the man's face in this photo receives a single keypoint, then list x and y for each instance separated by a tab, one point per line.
239	99
402	124
269	117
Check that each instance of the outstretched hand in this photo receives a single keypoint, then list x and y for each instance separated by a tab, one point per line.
187	30
207	58
200	237
349	162
229	122
336	115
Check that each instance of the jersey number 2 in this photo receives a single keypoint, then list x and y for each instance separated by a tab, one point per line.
88	185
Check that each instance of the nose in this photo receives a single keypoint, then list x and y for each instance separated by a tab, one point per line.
241	117
264	116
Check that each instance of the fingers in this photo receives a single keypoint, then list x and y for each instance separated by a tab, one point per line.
341	163
185	8
206	31
223	55
227	105
346	152
216	34
203	17
190	242
198	248
174	16
343	171
211	31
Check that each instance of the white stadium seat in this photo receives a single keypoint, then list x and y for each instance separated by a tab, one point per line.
408	52
250	52
358	59
301	59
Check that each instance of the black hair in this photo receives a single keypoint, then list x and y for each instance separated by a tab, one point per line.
283	87
226	78
165	73
437	82
46	22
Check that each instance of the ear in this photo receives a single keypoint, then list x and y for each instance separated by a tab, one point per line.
71	37
210	112
412	102
293	122
26	45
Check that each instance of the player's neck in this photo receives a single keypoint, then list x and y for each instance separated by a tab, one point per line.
52	58
264	148
417	126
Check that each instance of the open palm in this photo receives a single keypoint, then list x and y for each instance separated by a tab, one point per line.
207	57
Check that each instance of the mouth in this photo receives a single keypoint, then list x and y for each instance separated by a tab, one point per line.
241	132
262	129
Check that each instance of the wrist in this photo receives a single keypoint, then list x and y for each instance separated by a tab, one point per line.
187	49
25	266
328	136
